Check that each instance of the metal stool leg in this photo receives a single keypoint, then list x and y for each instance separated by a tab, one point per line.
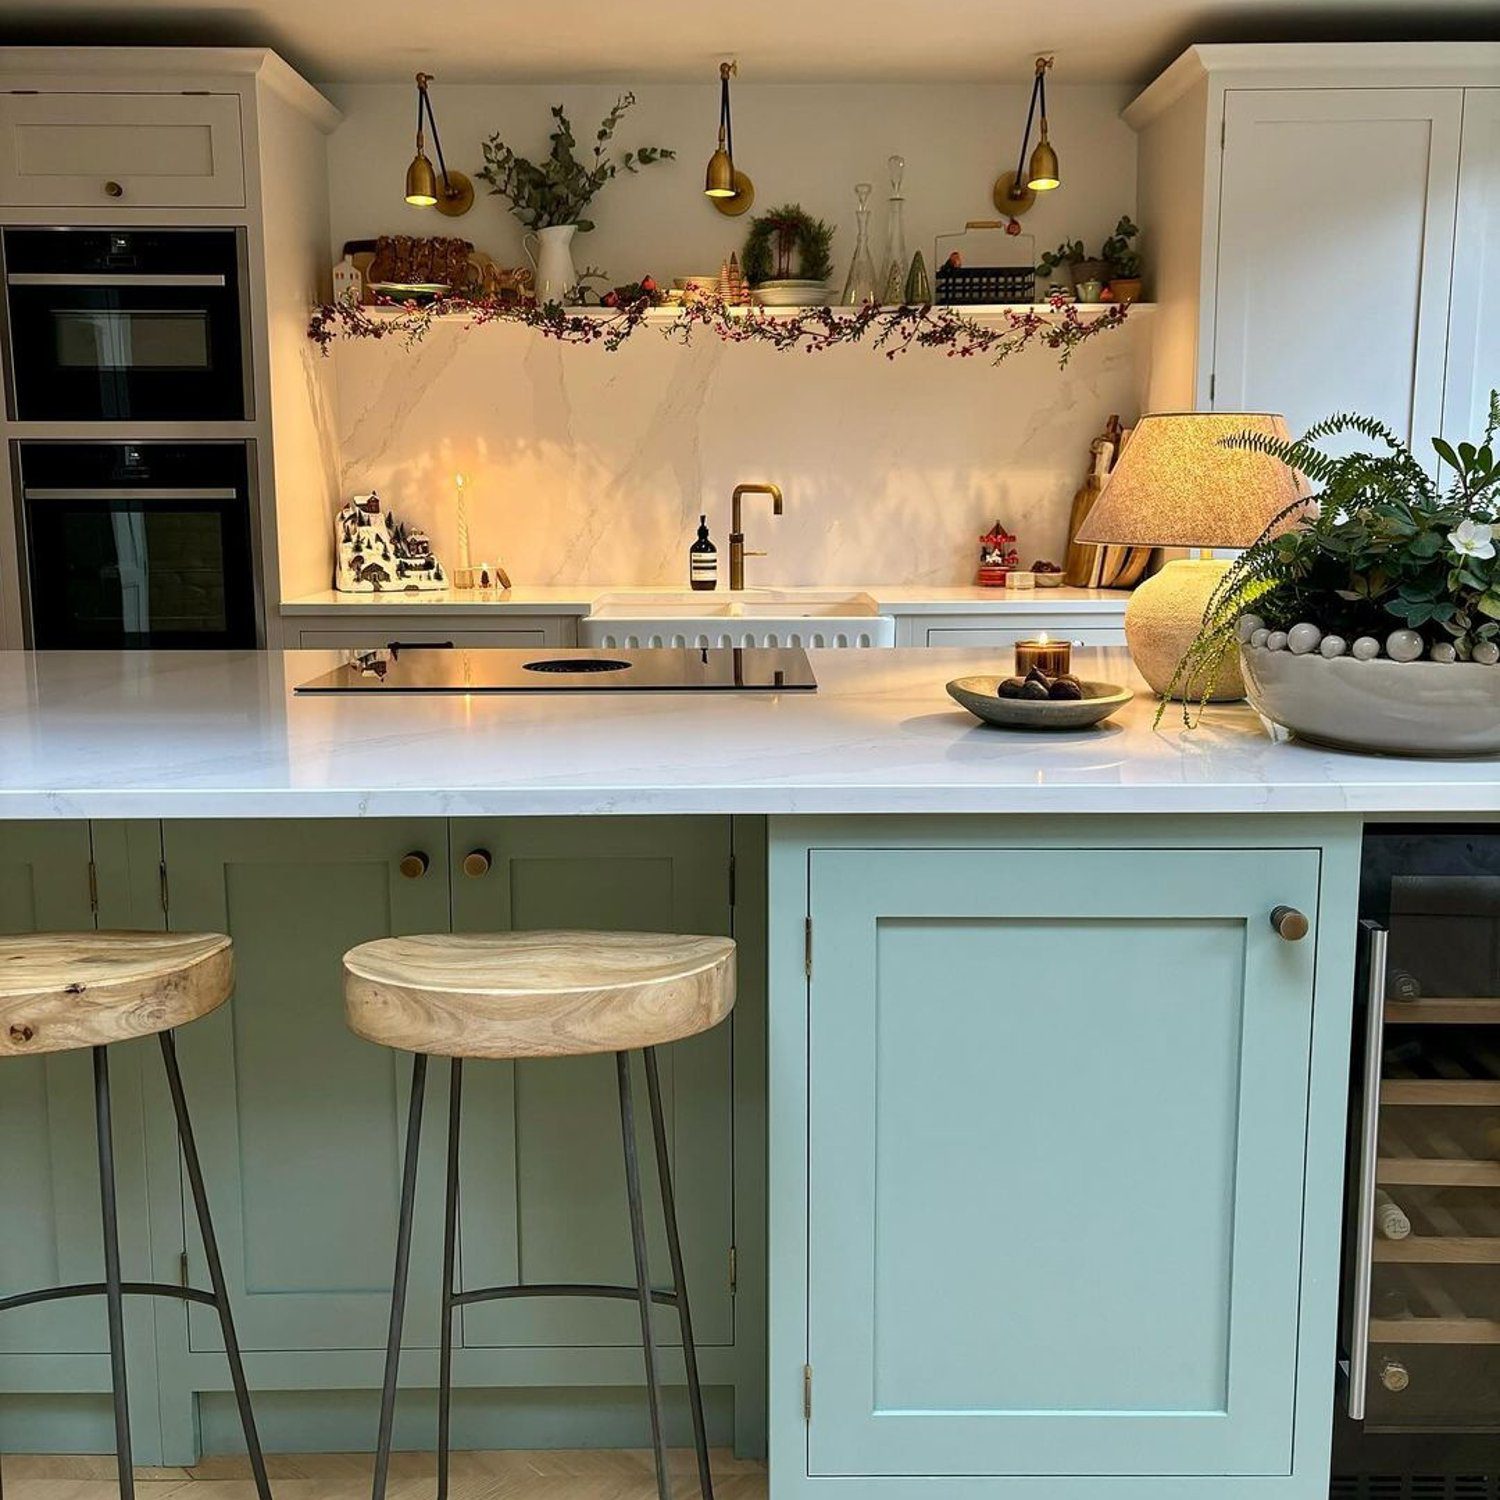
450	1252
215	1265
403	1266
679	1281
112	1290
642	1270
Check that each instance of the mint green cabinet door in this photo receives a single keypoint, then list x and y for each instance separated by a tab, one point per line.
49	1189
544	1192
301	1124
1057	1114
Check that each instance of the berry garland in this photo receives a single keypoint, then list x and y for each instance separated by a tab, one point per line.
891	330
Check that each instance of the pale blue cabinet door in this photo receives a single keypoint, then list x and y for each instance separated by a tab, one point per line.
544	1176
1056	1125
301	1124
49	1189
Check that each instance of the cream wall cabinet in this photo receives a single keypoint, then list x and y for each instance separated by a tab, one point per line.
1314	244
145	150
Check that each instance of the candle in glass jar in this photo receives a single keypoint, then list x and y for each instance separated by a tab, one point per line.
1054	658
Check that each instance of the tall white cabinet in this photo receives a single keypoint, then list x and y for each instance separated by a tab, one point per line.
1324	226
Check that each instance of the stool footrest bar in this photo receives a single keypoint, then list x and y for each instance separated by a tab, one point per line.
99	1289
559	1289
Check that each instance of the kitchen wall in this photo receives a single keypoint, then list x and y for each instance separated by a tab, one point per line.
593	467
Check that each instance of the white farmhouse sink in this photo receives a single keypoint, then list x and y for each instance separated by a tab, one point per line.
750	617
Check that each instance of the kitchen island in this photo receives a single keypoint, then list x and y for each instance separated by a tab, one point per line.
1018	1170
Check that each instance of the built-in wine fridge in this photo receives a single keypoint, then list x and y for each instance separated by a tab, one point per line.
1419	1399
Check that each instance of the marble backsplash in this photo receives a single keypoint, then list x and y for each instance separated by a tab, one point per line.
592	467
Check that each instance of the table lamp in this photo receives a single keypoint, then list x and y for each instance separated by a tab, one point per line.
1176	485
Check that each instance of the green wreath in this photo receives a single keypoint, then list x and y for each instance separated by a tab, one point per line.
779	236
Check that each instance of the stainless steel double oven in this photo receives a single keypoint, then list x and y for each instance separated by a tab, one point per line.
129	390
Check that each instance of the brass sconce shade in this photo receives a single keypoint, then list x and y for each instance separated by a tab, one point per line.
725	186
450	192
1015	192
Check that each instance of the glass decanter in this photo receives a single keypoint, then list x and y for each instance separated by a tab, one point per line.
861	286
893	277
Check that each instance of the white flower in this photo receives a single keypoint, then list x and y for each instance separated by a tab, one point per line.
1472	539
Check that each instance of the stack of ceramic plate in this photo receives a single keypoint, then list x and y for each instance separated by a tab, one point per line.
793	294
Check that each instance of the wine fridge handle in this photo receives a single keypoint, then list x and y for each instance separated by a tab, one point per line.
1369	1152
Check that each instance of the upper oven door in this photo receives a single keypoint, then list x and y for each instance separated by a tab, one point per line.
123	325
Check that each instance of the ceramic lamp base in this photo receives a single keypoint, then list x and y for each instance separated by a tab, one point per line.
1163	618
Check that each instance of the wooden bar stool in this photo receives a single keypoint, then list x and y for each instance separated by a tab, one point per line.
539	994
64	991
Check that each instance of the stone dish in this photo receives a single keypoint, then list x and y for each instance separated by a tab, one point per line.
1387	707
980	695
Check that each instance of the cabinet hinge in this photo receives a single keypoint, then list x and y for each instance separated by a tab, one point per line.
161	871
807	1393
734	1271
182	1269
807	947
733	881
1223	131
1213	381
93	888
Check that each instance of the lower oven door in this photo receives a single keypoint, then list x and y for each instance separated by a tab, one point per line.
126	565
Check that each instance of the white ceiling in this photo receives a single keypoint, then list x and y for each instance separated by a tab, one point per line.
653	40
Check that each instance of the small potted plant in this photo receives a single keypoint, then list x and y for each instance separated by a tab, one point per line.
550	197
1086	275
1123	262
1369	618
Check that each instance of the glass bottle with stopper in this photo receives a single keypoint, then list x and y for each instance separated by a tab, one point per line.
893	275
861	286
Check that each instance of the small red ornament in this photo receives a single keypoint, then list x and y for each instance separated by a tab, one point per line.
1013	226
648	283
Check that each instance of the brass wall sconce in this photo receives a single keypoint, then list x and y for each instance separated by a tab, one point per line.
725	186
1016	191
450	192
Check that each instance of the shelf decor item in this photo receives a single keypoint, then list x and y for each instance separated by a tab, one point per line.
984	264
465	576
894	268
998	557
1369	619
787	260
374	553
448	191
861	285
1015	192
724	185
1115	260
1178	484
550	198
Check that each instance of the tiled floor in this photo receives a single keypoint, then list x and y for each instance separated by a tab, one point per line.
577	1474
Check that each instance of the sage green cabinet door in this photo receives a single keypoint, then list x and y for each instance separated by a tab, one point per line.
49	1188
1057	1118
301	1125
544	1190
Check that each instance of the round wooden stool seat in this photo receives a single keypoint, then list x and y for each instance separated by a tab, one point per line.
60	991
537	994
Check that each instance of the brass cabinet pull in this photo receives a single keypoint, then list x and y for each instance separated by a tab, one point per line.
414	865
477	863
114	189
1289	923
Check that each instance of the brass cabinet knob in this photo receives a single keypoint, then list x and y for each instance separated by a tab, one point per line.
114	189
1394	1376
477	863
414	865
1289	923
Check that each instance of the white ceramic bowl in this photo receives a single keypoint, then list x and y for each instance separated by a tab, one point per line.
1392	708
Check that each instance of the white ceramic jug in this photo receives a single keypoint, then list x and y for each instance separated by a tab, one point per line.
552	261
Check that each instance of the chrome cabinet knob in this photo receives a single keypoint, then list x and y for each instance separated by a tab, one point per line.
477	863
113	189
1289	923
414	865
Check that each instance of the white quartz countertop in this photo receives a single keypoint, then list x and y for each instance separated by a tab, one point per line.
579	599
219	734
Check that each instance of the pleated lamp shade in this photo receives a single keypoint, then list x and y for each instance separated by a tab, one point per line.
1176	485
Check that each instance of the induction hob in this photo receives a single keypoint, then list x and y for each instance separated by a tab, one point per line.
436	669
